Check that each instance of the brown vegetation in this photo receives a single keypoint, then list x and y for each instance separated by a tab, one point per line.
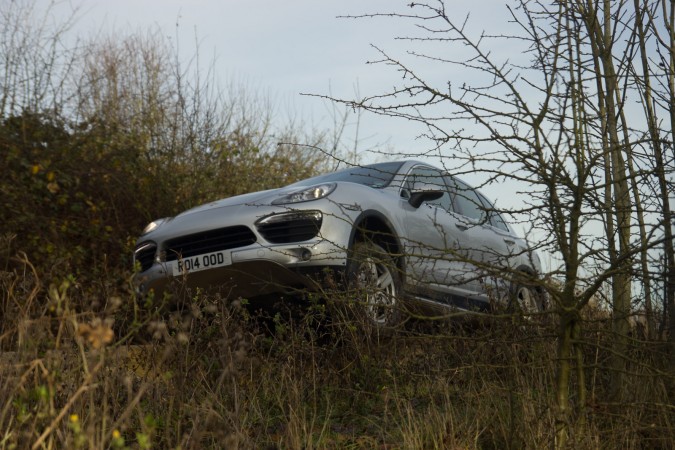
208	376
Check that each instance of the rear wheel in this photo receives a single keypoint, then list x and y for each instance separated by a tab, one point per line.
526	300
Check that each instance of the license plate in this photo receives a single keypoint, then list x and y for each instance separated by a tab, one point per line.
201	262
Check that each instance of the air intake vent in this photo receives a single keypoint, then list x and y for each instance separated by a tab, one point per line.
209	241
284	228
145	255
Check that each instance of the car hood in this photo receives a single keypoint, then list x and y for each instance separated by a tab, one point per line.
211	214
254	198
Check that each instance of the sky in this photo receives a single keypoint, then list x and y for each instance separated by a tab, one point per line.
285	49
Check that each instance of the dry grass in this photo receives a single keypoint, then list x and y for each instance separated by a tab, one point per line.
75	373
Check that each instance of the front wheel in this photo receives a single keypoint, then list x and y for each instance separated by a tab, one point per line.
374	285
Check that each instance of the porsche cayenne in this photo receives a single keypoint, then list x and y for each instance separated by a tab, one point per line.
400	236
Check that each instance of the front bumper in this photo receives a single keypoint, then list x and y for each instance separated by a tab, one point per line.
256	270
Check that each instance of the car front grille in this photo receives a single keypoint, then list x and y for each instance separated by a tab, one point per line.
290	227
145	255
209	241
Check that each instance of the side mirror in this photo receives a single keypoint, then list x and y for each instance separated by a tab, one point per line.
424	192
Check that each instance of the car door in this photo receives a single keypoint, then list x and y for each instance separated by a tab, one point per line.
482	240
507	251
433	252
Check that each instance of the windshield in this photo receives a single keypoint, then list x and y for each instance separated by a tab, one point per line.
374	175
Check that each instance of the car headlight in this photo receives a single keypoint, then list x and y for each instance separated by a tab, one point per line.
306	194
152	226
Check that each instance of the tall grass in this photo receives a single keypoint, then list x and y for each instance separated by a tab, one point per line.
83	372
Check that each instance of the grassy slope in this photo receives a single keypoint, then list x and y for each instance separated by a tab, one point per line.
209	377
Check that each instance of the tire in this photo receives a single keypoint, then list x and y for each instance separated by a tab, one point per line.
374	286
526	300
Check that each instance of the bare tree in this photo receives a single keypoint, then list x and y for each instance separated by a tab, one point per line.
34	67
657	102
557	124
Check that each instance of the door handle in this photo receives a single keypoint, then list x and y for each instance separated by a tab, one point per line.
461	226
509	241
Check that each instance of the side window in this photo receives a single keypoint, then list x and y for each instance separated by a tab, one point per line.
467	201
494	217
499	222
430	176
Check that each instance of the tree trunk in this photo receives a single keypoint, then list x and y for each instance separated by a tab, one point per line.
606	80
563	380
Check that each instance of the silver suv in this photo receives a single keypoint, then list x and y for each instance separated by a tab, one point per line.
396	235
